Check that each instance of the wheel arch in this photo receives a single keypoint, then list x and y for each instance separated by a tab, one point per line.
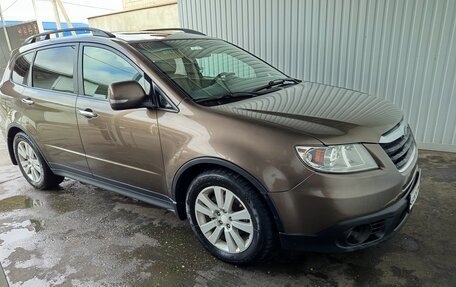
190	169
14	129
12	132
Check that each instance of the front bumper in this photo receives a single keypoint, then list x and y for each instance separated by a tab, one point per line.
359	232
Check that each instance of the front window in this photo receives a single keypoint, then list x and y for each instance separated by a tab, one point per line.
209	69
101	67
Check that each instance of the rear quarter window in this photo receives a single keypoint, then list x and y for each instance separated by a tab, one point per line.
21	69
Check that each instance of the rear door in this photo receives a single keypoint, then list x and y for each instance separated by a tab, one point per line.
121	146
48	105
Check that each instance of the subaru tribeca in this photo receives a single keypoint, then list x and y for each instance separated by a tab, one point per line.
254	159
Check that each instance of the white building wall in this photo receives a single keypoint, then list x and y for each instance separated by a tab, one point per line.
401	50
162	15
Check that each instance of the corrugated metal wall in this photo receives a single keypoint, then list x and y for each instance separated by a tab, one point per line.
402	50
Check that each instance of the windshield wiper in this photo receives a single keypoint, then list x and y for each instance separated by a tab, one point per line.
251	94
278	82
228	96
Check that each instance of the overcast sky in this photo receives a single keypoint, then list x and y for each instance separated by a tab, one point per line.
78	10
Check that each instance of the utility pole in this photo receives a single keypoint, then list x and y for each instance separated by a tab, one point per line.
4	28
38	22
56	4
65	15
56	16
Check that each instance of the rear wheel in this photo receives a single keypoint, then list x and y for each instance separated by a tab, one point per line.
230	218
32	165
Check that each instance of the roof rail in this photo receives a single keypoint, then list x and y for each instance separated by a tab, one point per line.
47	35
190	31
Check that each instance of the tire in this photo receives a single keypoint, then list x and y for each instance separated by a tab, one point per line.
223	229
32	165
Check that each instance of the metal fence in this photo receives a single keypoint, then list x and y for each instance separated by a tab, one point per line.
401	50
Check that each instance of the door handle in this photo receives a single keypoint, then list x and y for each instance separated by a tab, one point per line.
27	101
88	113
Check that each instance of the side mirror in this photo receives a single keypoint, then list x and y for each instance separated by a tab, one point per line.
126	95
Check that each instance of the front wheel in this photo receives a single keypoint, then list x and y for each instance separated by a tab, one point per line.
32	165
230	218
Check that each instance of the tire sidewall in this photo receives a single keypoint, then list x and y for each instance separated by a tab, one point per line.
206	180
23	137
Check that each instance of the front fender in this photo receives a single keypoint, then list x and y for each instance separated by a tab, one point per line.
264	151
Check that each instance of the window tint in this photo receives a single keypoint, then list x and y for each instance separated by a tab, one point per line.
209	69
21	69
215	64
102	67
53	69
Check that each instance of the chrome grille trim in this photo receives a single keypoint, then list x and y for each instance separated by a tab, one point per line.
414	153
398	131
399	145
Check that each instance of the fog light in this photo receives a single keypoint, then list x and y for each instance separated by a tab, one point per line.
358	234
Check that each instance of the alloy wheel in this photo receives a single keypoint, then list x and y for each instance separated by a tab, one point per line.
224	219
29	161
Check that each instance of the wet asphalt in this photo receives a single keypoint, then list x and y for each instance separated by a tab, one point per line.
80	235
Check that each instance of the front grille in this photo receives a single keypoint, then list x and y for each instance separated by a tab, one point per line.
401	149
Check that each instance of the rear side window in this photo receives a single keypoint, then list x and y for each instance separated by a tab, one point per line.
21	69
101	67
53	69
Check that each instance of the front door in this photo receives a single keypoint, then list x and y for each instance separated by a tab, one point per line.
122	146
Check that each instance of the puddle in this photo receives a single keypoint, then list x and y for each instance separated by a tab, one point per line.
13	236
16	202
37	224
177	259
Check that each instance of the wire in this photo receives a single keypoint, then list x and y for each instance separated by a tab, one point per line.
82	5
89	6
3	11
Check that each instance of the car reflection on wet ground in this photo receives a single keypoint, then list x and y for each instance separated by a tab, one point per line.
80	235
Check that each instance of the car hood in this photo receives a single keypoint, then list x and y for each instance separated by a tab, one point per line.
331	114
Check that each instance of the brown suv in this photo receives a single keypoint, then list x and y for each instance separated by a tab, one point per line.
253	158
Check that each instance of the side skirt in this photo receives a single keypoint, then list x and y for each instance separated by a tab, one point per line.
150	197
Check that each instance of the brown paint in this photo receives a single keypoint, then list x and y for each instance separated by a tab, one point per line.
145	147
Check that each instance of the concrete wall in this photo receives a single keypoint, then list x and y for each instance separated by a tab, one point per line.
163	15
4	53
17	34
401	50
134	4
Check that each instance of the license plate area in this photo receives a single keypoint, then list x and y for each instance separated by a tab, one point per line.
414	193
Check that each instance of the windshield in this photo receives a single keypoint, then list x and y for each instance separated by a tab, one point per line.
209	69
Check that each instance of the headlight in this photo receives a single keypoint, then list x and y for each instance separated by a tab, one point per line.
337	158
